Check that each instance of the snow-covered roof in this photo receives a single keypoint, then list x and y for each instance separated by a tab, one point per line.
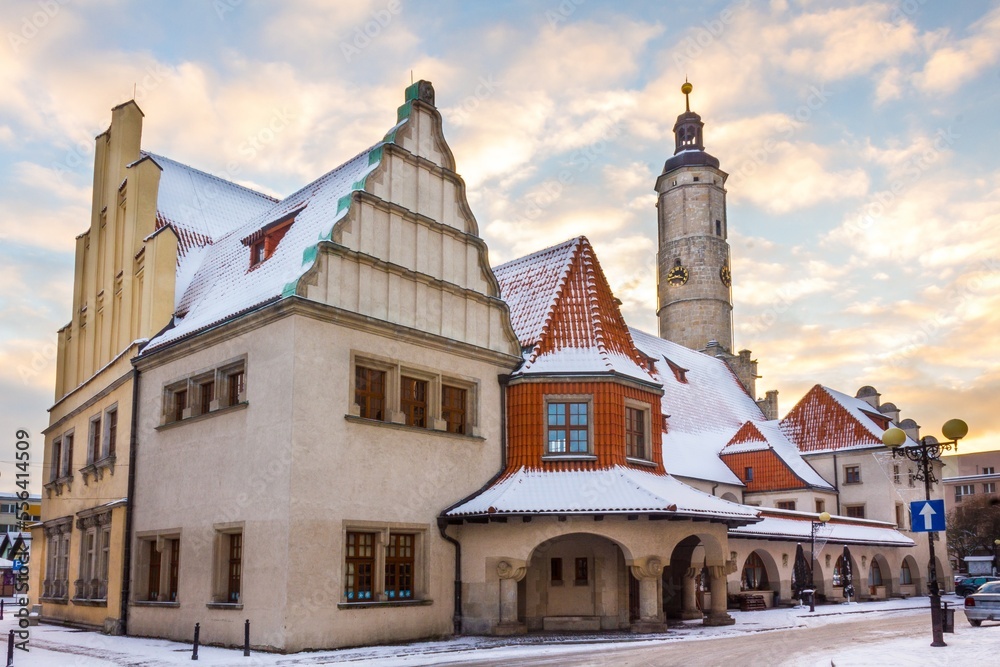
565	315
706	405
767	435
827	420
201	207
797	527
224	285
617	490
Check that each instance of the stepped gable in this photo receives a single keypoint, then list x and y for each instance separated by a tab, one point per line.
566	316
828	420
777	463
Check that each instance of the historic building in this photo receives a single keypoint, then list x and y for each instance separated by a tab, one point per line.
330	415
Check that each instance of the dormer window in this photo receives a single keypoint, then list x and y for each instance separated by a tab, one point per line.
264	242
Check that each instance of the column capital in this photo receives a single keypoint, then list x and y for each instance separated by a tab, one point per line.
512	569
650	567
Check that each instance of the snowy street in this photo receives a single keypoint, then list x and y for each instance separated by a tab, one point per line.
895	632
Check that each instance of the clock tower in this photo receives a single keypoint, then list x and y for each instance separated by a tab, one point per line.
694	297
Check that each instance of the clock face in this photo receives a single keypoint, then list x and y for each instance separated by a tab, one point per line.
726	276
677	275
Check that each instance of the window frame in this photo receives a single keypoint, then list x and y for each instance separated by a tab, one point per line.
110	432
784	505
382	562
395	566
748	473
353	591
370	395
989	487
859	507
645	455
393	409
409	405
852	474
567	400
581	571
190	389
94	440
222	572
163	548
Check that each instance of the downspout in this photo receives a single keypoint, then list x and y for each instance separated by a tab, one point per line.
133	442
714	487
443	522
836	481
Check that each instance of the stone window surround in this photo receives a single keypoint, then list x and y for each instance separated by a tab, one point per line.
64	467
192	382
647	457
146	540
858	506
106	461
220	565
57	533
382	530
852	470
92	591
394	370
568	456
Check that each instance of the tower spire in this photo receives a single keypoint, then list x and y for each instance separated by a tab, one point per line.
686	89
687	129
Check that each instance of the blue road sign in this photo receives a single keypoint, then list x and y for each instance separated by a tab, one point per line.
18	564
927	516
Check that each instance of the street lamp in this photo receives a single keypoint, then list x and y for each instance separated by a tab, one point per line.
821	520
924	453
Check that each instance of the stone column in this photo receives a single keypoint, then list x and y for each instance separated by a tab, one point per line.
689	601
717	615
510	572
648	571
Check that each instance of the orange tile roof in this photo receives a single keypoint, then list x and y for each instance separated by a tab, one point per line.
827	420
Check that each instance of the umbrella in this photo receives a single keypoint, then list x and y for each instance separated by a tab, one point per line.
800	572
847	575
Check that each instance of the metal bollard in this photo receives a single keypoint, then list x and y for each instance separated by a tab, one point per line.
194	650
1	609
10	649
246	639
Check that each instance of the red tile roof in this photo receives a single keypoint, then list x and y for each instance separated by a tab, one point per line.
566	316
828	420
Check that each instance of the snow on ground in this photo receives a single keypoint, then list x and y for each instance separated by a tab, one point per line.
56	646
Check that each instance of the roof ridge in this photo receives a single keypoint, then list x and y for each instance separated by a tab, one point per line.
157	156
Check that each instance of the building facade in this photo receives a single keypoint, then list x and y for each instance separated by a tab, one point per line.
344	425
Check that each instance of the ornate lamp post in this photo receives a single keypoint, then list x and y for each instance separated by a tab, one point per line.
820	521
996	560
927	451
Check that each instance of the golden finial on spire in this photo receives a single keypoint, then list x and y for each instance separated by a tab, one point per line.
686	88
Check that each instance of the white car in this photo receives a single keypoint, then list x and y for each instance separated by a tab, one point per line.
984	604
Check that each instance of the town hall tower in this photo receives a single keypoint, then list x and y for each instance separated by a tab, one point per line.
694	299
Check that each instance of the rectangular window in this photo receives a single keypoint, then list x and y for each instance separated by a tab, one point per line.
359	566
785	504
235	569
748	474
67	462
820	506
399	562
105	558
568	428
175	556
413	401
180	402
581	573
94	441
453	408
235	387
56	464
988	470
854	511
989	487
369	392
852	474
962	490
635	433
153	580
206	394
555	570
895	473
112	419
899	517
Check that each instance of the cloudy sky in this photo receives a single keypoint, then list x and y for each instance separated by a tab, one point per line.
861	142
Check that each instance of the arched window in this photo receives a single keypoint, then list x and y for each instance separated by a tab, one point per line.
904	574
754	575
875	574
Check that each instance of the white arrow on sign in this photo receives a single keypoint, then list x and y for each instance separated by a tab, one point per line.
927	512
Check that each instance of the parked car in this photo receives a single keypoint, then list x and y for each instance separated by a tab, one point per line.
969	585
984	604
